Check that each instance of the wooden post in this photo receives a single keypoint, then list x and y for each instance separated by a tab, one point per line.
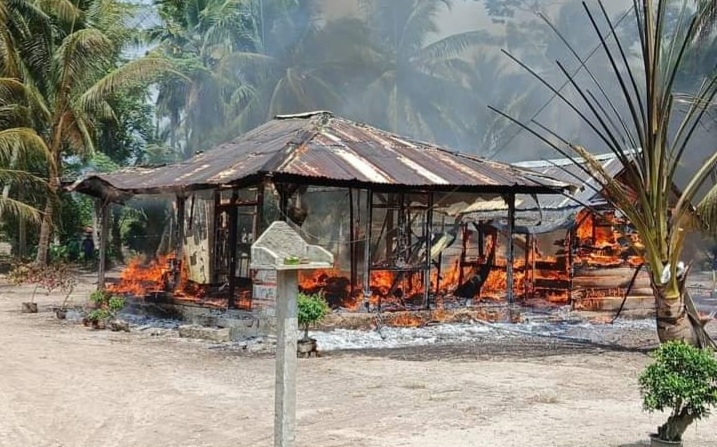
104	232
528	249
533	253
464	251
181	201
571	236
286	335
352	244
215	257
509	261
233	228
390	227
259	212
367	250
427	271
179	248
481	240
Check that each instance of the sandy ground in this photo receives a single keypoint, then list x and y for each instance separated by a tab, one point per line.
64	385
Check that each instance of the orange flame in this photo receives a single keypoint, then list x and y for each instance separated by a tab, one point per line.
598	245
139	279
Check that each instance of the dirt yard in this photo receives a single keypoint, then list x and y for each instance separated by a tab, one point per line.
64	385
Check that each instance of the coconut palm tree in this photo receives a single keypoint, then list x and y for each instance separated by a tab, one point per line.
416	80
21	149
305	66
66	54
651	140
198	35
492	82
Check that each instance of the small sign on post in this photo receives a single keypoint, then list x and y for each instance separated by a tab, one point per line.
282	249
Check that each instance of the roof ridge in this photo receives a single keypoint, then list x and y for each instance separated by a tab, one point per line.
304	115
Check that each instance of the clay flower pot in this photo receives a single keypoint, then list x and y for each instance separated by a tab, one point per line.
657	442
306	346
29	308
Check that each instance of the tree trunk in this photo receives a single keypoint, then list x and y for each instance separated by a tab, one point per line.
675	427
22	239
43	246
673	321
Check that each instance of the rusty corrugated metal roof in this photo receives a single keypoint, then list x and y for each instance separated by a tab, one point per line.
323	149
553	211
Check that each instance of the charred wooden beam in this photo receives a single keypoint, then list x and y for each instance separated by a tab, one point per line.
258	226
427	272
464	250
352	243
510	257
390	227
439	263
233	246
481	240
215	252
609	282
179	249
472	287
550	283
367	249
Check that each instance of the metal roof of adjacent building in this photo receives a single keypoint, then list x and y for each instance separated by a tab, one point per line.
319	148
554	211
570	171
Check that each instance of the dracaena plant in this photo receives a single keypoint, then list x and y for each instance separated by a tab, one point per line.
638	122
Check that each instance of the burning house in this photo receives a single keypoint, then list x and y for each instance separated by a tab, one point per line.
388	208
573	249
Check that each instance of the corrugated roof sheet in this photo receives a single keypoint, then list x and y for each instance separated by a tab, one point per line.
566	170
553	211
320	148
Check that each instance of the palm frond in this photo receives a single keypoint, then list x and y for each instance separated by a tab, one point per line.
12	90
138	71
82	55
707	211
22	142
453	46
19	209
64	10
21	177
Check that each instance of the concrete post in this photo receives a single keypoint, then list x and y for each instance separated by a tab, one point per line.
285	386
282	249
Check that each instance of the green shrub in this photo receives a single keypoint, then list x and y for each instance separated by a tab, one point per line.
682	379
98	315
107	305
312	309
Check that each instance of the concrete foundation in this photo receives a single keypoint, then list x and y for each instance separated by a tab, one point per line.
238	324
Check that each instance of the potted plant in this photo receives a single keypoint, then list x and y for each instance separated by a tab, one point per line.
682	379
97	318
51	277
312	309
106	308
